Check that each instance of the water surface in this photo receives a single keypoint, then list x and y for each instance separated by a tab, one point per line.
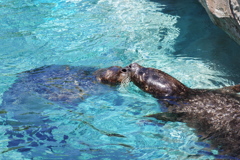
174	36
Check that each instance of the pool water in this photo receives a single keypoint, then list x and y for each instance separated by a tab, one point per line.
174	36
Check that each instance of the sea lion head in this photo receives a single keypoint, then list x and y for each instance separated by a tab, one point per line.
155	82
112	75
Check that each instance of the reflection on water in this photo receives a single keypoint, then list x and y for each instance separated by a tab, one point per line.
175	36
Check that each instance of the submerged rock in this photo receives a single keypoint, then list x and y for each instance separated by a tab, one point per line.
226	15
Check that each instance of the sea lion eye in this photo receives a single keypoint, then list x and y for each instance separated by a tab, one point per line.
130	66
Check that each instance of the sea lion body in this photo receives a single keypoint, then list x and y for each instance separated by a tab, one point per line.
215	114
62	84
56	88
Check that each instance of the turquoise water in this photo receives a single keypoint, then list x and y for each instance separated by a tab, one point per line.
176	37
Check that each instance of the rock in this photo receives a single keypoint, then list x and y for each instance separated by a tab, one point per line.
226	15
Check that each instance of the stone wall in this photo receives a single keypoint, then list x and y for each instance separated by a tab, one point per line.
226	15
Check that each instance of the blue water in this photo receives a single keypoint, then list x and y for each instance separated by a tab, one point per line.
174	36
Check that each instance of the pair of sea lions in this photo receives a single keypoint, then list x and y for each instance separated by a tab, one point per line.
215	114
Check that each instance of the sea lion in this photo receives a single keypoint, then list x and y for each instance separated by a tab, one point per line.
58	87
62	84
215	114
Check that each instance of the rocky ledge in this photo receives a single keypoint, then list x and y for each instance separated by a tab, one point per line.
226	15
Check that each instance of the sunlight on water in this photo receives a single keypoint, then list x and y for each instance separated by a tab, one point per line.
102	33
123	31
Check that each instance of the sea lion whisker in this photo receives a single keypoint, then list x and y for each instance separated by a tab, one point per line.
125	82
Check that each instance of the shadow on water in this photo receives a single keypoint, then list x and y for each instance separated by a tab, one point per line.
200	38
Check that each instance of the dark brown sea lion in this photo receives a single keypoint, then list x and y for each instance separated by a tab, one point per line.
36	90
57	88
62	84
215	114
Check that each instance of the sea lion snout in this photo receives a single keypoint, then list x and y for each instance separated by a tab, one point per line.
112	75
131	68
134	66
124	70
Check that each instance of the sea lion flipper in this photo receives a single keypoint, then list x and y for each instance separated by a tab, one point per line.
231	89
166	116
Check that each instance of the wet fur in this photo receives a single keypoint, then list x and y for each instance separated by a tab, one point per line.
215	114
125	82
